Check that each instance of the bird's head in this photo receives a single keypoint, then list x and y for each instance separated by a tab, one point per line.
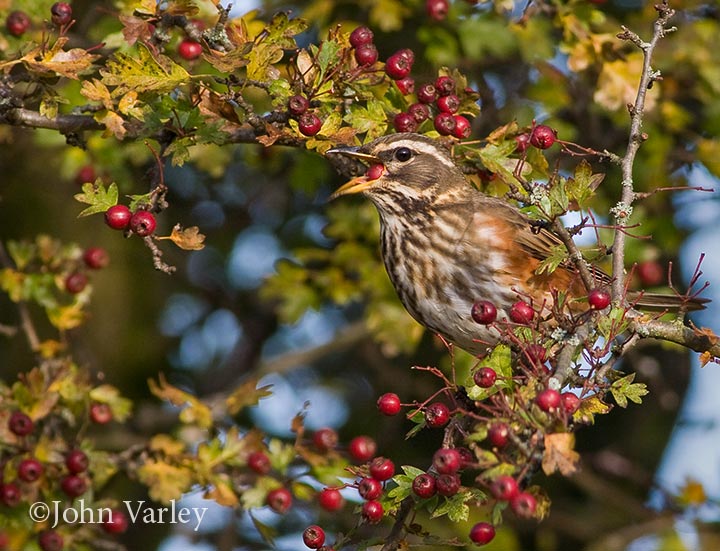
403	168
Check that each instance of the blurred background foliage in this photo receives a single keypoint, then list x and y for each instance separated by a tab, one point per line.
292	288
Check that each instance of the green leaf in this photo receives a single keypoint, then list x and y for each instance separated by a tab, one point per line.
327	55
558	255
454	507
499	360
144	73
99	198
624	389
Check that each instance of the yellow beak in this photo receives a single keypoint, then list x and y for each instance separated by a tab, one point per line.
359	183
356	185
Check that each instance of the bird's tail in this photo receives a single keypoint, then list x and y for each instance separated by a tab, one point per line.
671	303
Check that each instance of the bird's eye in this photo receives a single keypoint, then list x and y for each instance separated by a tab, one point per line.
403	154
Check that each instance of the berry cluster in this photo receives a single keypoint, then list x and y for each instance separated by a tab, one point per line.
25	477
93	258
365	52
309	123
540	136
439	101
140	222
18	22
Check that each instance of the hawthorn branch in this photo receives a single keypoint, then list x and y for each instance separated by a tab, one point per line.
65	124
26	322
622	211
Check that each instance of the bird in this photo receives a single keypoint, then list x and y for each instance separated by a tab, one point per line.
446	245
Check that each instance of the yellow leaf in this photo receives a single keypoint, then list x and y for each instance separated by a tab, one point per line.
618	82
113	122
56	60
51	348
144	73
194	410
246	395
131	106
559	454
66	317
692	493
165	482
189	239
222	492
166	444
94	90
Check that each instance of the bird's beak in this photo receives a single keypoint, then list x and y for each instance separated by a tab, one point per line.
359	183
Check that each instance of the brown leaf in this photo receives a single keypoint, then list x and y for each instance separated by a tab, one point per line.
56	60
214	108
189	239
273	134
560	454
135	28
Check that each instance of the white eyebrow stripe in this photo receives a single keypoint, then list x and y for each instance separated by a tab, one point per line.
422	147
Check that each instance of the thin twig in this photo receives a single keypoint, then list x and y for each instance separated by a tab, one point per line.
623	209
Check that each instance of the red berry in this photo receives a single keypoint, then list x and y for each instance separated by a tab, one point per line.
10	494
50	540
389	404
309	124
521	312
61	13
369	488
444	123
437	415
143	223
524	505
448	104
325	439
570	402
599	299
100	413
485	377
466	457
17	23
651	273
76	461
118	217
366	54
445	85
374	171
297	105
314	536
117	523
419	111
462	127
405	122
542	136
4	541
406	85
29	470
483	312
331	499
372	511
74	485
498	434
279	500
504	488
447	484
189	49
523	142
382	468
427	93
259	462
75	282
362	448
361	36
96	258
20	424
548	400
423	486
437	9
482	533
398	66
447	461
408	54
85	174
